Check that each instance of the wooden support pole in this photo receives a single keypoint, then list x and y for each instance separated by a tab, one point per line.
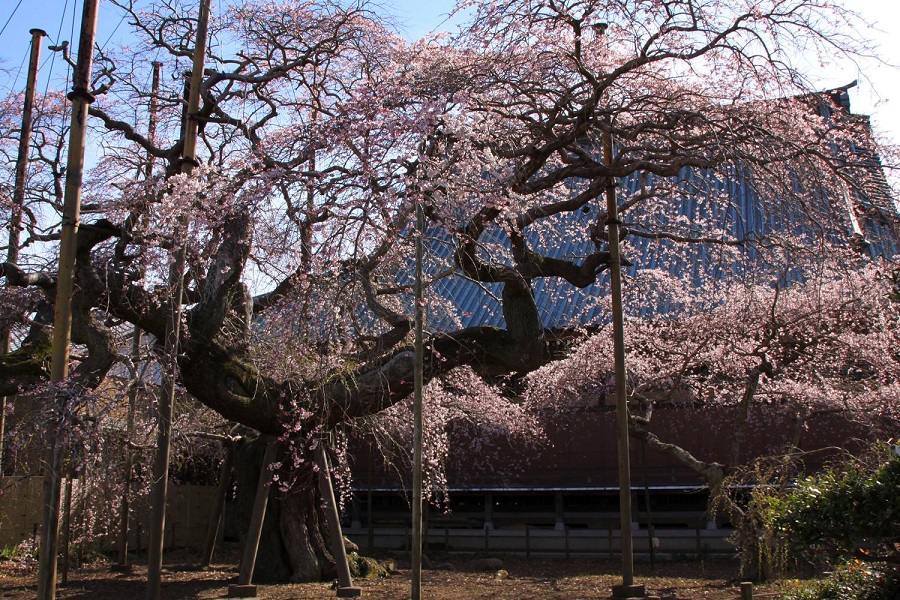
124	508
370	524
326	490
651	531
615	271
124	504
159	493
15	225
152	120
62	318
215	517
628	589
81	99
527	541
159	490
18	200
416	592
245	587
746	590
67	530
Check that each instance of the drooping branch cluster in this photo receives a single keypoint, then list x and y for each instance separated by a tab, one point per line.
321	130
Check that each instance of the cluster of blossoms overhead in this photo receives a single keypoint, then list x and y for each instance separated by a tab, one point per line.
824	343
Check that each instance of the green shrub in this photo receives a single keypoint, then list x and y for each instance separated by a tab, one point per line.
831	516
783	519
853	581
22	557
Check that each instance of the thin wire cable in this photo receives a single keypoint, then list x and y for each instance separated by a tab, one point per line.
15	84
72	51
122	20
10	17
43	99
52	58
68	105
71	37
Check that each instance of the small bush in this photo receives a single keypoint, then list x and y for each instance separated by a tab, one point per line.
21	558
831	516
783	519
853	581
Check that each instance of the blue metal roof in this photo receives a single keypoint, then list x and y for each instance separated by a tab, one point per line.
560	304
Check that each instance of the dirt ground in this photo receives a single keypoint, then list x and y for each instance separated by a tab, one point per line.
457	579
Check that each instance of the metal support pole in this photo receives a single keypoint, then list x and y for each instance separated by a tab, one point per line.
326	490
416	592
62	319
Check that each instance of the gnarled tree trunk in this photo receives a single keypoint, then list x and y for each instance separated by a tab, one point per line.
293	546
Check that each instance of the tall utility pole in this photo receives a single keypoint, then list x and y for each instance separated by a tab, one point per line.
160	489
418	379
628	589
62	319
15	222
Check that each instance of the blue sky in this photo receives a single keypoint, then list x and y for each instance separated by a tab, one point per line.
416	18
878	93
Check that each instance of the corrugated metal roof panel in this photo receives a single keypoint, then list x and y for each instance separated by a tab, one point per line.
562	305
